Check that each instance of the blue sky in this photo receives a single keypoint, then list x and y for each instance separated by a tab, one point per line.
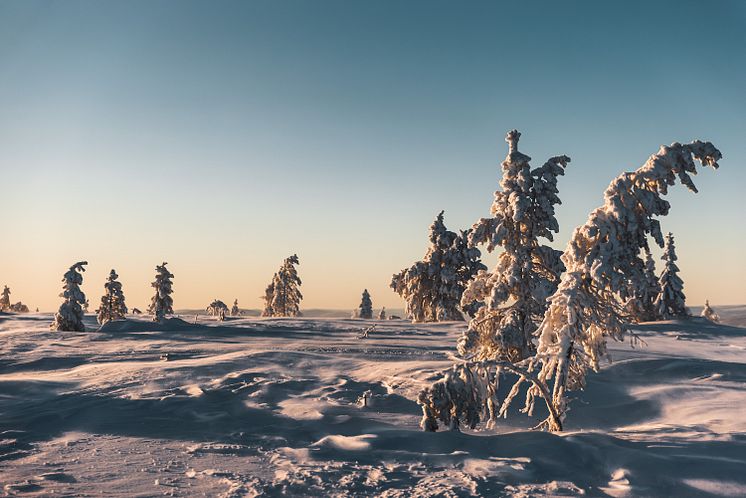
224	136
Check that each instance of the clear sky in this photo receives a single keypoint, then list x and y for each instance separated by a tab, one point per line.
224	136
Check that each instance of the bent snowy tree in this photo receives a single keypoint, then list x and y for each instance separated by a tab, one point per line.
600	259
69	317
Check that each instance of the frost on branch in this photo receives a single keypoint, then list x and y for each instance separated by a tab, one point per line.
70	315
671	301
162	303
112	302
514	294
600	259
709	313
286	295
432	288
5	299
365	310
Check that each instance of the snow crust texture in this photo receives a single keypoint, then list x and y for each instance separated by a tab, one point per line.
303	407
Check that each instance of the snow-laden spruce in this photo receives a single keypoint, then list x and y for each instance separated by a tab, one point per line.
709	313
432	288
671	301
217	308
112	302
269	295
600	259
641	306
70	315
162	303
286	295
513	296
365	310
5	299
235	310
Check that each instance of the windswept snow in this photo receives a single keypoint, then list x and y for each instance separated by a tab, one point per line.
275	407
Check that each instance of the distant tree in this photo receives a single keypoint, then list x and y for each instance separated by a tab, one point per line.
432	288
382	314
162	303
641	306
70	315
366	306
112	302
513	296
671	301
217	308
5	299
709	313
286	295
19	307
235	311
269	295
136	311
86	305
586	309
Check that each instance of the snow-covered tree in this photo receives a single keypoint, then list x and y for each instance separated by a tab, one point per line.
382	314
432	288
641	306
601	258
671	301
162	303
217	308
112	302
70	315
286	295
709	313
5	299
365	310
514	294
19	307
235	310
269	295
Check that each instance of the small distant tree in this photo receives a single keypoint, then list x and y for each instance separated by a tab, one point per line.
70	315
286	295
382	314
235	311
217	308
671	301
513	296
269	296
112	302
432	288
366	306
19	307
641	306
709	313
162	303
5	299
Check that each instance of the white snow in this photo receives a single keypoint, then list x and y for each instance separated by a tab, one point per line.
272	407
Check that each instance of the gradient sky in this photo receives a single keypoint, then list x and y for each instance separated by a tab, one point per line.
223	136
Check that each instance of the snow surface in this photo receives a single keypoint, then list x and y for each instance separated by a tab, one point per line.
278	407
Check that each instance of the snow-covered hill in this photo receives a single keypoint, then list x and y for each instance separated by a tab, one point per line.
278	407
